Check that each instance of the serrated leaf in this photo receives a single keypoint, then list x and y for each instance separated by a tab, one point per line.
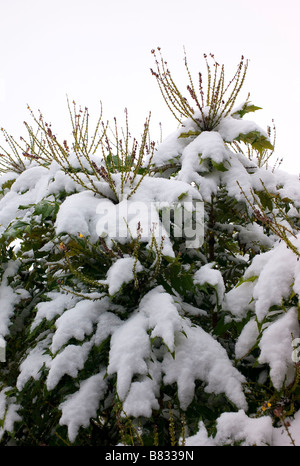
219	166
189	134
245	280
182	195
24	207
265	200
257	140
247	109
8	184
45	209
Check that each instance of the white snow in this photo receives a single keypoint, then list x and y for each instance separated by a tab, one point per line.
76	322
230	128
69	361
163	317
8	412
8	296
206	274
200	357
77	215
56	305
31	365
81	406
238	300
122	271
275	280
276	348
130	346
246	339
142	396
238	427
208	145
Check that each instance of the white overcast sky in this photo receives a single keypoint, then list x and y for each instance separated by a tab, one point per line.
99	50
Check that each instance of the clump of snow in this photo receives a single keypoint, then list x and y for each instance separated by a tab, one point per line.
201	438
239	428
271	277
171	148
143	394
77	214
8	412
80	407
275	280
253	236
235	428
206	274
130	347
121	272
276	347
31	365
107	323
69	361
163	315
8	296
246	339
239	300
76	322
56	304
230	128
200	357
208	145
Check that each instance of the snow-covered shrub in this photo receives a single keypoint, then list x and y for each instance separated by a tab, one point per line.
131	336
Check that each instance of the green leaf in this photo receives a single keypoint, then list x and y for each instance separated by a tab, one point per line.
219	166
222	327
182	195
247	109
24	207
114	161
7	185
257	140
45	209
245	280
265	200
189	134
14	230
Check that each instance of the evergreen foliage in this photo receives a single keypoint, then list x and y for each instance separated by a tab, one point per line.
139	339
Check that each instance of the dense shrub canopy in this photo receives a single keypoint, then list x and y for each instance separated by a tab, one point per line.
120	331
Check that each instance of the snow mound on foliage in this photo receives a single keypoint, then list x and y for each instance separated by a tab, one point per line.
8	297
80	407
270	278
121	272
276	347
235	428
206	274
246	339
8	411
192	354
240	429
34	361
199	356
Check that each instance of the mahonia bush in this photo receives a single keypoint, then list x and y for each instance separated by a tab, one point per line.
139	339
